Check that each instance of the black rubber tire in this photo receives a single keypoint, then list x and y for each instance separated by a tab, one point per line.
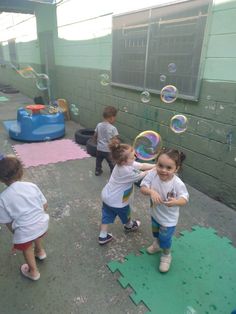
83	135
91	147
10	91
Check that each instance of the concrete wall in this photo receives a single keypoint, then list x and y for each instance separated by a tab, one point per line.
211	160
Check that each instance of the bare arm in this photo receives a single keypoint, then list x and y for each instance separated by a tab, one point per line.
45	206
155	197
147	166
176	202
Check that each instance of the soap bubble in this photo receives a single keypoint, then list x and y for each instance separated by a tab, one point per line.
162	78
145	97
147	145
42	81
47	138
178	123
172	67
105	79
74	109
169	94
125	109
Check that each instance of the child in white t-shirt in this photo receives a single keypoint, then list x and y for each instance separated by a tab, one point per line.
167	193
22	209
116	193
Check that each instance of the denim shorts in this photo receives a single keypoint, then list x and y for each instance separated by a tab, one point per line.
163	234
109	214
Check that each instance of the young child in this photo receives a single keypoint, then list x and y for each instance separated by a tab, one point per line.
22	209
167	193
104	132
116	193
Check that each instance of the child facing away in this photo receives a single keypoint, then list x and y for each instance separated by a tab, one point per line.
104	132
116	193
22	209
167	193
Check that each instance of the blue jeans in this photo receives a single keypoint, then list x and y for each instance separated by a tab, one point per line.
163	234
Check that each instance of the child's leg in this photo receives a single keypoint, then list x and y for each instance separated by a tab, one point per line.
155	246
109	161
165	238
125	217
99	159
39	250
108	217
30	260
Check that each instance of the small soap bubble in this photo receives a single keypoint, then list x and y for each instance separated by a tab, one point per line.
178	123
172	67
169	94
42	81
145	97
162	78
208	97
47	138
104	79
125	109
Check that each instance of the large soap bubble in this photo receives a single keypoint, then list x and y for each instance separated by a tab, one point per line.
147	145
169	94
178	123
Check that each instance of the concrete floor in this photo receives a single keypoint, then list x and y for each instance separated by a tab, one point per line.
75	278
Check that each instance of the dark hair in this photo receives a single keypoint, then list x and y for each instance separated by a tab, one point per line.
119	151
11	169
177	156
109	112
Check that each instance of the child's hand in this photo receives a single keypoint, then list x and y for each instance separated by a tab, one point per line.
171	202
155	197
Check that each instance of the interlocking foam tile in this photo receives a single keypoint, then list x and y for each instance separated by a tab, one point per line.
44	153
201	279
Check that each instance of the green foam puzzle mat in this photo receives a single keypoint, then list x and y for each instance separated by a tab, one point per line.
201	280
2	98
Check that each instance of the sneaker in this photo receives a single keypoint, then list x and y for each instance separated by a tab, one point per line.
134	227
165	263
154	248
98	172
105	240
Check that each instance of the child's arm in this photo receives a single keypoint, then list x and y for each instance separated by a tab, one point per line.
147	166
9	226
176	202
45	206
155	196
95	137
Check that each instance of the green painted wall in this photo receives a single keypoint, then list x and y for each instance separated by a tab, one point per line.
211	162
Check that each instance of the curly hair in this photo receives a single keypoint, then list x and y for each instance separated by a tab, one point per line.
119	152
174	154
11	169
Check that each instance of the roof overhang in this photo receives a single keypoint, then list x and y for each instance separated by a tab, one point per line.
22	6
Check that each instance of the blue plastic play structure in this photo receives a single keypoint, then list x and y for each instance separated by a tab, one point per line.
37	127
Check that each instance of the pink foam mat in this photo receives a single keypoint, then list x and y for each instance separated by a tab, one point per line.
35	154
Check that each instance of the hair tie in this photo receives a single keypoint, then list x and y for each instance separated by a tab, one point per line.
2	156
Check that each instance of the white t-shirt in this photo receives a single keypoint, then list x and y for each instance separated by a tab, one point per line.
22	204
105	132
117	191
164	215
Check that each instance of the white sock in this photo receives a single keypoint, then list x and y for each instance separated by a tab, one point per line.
103	234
